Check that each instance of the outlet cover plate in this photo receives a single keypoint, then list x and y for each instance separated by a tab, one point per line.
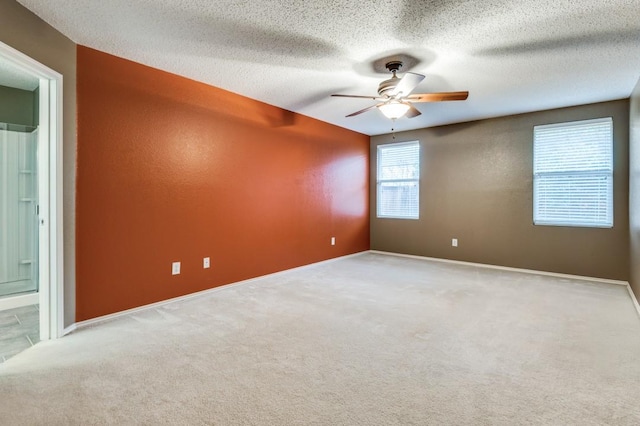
206	262
175	268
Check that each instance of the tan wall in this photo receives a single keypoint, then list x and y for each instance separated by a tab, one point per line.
24	31
634	189
477	186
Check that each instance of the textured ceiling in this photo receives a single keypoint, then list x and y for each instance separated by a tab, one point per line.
512	56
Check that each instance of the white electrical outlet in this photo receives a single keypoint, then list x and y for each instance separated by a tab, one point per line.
333	241
206	263
175	268
454	242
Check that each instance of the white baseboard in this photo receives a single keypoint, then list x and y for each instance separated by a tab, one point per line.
93	321
507	268
69	329
633	298
525	271
19	301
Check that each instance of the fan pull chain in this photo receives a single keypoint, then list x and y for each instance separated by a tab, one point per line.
393	130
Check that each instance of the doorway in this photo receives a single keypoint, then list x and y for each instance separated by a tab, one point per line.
18	198
38	276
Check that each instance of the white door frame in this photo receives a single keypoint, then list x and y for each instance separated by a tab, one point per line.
50	218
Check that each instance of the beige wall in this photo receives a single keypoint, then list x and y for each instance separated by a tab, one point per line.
476	186
634	189
24	31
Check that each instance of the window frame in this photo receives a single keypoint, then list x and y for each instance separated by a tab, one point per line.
607	172
380	181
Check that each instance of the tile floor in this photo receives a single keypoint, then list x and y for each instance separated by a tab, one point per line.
19	330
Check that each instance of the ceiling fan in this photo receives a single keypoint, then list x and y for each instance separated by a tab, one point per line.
395	98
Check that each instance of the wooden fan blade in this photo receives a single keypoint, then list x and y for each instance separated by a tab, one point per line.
375	98
437	97
407	83
412	112
362	110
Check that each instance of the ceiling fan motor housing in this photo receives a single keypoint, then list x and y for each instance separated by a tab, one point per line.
390	84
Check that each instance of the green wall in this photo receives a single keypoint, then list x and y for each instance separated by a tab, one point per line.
18	106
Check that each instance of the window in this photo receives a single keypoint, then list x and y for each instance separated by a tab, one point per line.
399	180
573	174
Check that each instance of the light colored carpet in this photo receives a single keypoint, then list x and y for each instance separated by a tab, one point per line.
366	340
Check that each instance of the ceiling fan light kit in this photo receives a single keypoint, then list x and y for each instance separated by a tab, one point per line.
395	95
394	109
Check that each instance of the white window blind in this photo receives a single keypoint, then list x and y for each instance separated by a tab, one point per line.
398	180
573	174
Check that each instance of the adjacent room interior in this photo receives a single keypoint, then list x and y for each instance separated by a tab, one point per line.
222	224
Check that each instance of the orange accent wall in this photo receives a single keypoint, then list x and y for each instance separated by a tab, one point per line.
170	169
